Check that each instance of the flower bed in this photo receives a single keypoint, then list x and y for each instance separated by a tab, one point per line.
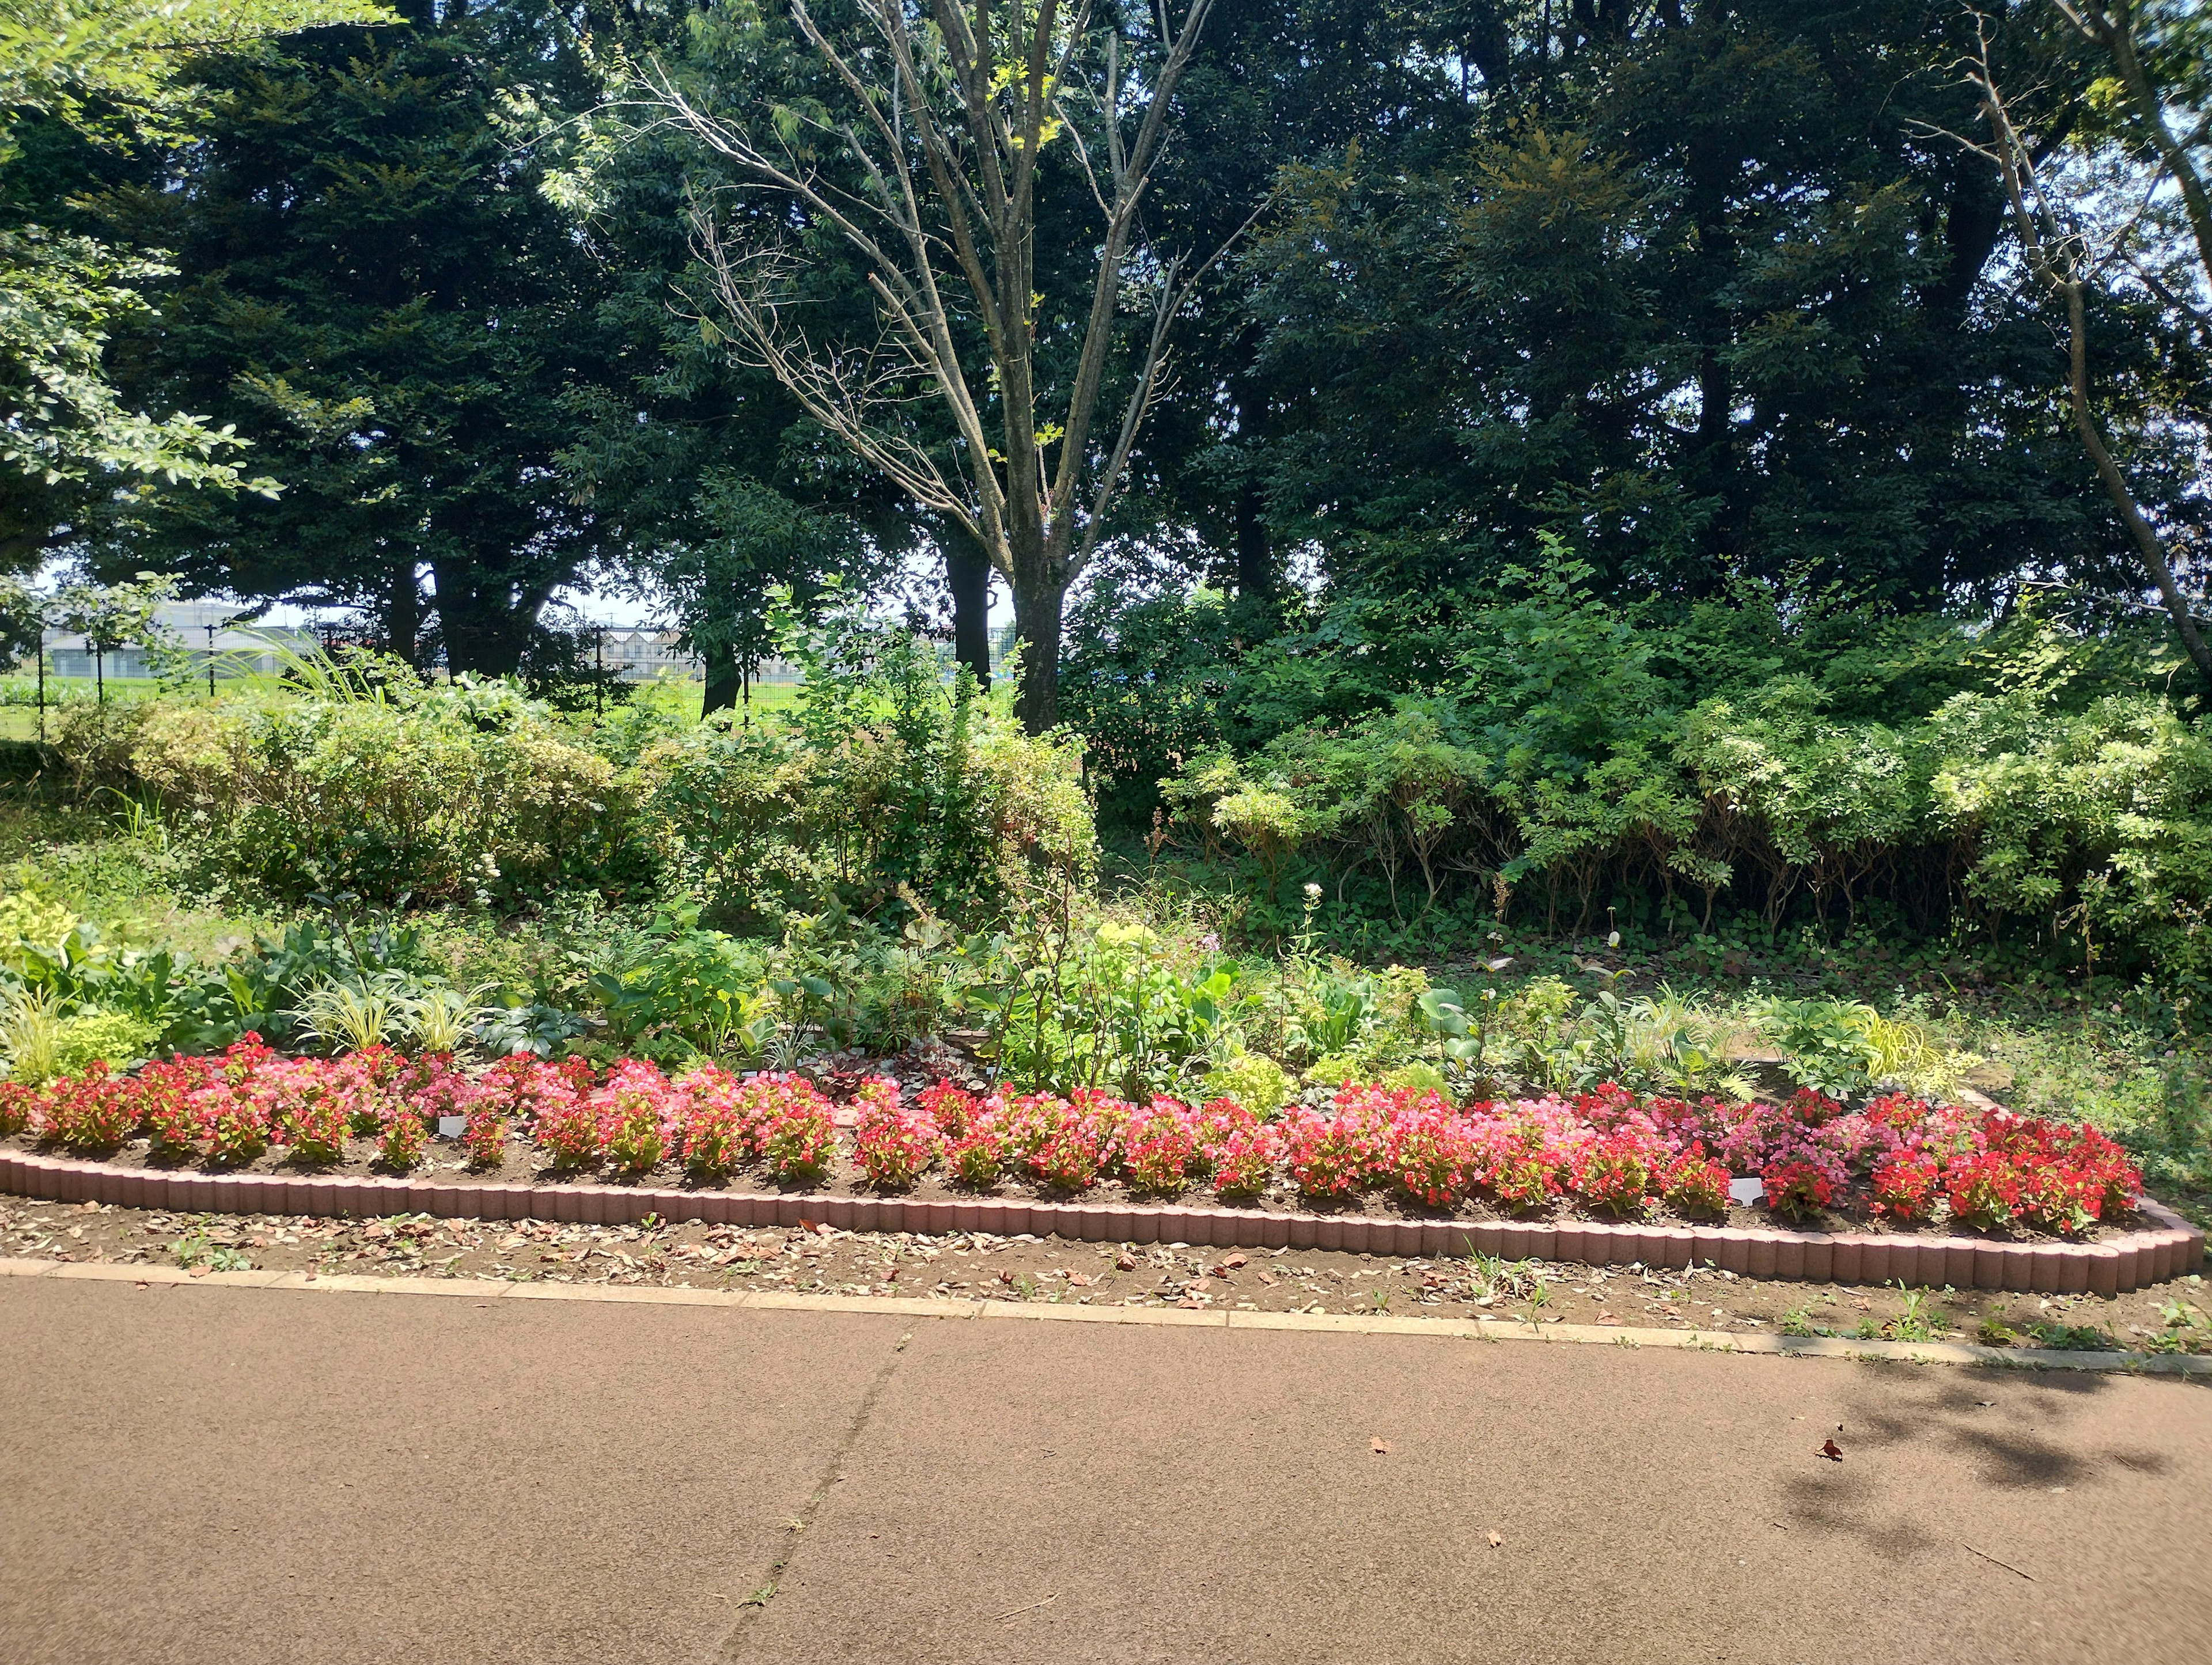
1897	1163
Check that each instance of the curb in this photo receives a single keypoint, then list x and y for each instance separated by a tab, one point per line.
2164	1248
2189	1365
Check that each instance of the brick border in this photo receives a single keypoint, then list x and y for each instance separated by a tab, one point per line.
2164	1247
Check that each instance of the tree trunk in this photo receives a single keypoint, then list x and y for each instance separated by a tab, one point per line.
724	683
402	613
968	576
1036	623
486	626
1256	560
2145	536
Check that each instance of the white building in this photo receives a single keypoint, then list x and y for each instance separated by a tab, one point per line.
197	627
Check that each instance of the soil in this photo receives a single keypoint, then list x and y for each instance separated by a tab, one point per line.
522	1166
2173	1316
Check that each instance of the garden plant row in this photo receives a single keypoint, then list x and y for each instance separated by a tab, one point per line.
1914	1166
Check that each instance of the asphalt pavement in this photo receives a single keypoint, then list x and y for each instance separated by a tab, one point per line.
237	1475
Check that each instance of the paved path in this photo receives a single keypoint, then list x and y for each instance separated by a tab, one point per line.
227	1476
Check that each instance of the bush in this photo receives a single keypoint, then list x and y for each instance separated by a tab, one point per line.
1259	1084
886	777
384	786
115	1037
1558	754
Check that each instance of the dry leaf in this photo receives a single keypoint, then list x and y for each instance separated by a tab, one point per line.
1382	1446
1267	1278
1235	1260
805	1225
1830	1450
1495	1540
1126	1263
1606	1318
1079	1279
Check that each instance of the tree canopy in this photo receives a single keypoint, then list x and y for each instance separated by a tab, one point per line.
716	298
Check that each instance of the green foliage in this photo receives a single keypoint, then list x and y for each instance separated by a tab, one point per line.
1253	1079
376	785
2023	780
116	1037
81	82
892	784
1846	1048
673	991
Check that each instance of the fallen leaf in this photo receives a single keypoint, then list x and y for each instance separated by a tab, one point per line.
805	1225
1830	1450
1382	1446
1267	1278
1192	1301
1005	1277
1079	1279
199	1272
1126	1263
1495	1540
1606	1318
1198	1284
1235	1260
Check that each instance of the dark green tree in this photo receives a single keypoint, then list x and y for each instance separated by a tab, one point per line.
375	290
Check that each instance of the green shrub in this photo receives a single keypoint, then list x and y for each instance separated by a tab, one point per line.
114	1035
387	787
1253	1080
889	778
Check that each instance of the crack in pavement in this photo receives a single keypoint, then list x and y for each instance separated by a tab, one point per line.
756	1603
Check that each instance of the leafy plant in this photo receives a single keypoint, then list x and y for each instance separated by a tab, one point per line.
442	1018
355	1016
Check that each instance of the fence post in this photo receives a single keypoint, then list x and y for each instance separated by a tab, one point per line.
598	673
100	671
42	686
211	651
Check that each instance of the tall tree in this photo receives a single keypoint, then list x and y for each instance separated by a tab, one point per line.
1695	295
372	288
2073	256
83	86
924	148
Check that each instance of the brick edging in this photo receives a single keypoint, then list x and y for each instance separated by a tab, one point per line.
2164	1247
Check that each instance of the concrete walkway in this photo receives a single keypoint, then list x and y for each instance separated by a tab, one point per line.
235	1475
